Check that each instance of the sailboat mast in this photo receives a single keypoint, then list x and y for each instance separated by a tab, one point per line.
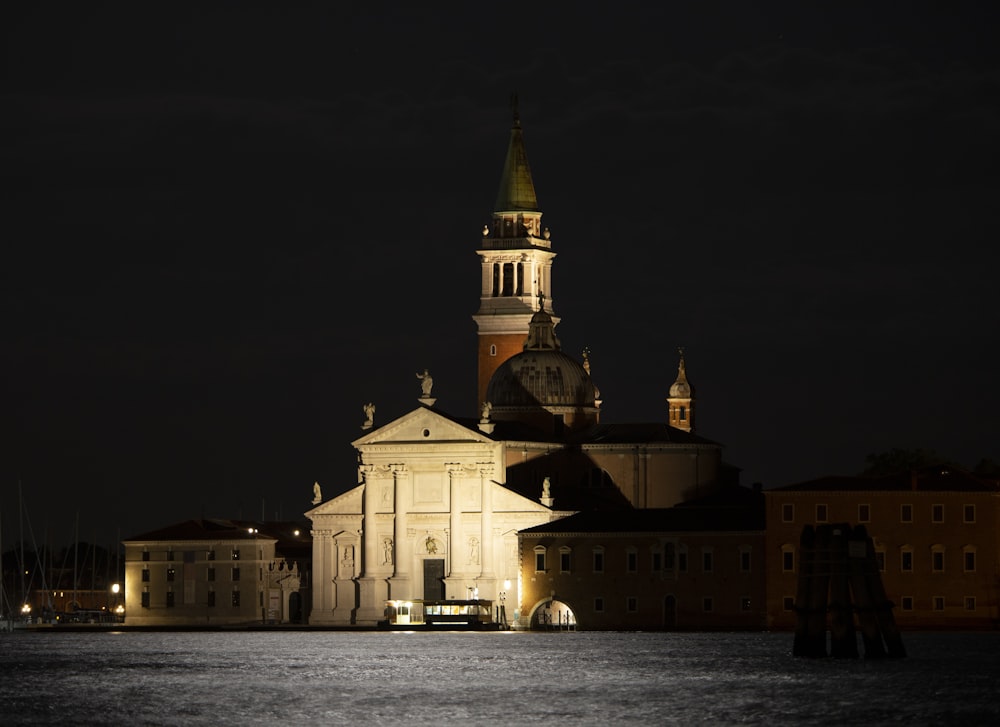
20	524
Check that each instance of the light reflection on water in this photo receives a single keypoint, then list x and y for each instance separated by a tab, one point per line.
585	678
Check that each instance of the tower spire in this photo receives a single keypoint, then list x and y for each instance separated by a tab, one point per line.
516	258
517	190
681	399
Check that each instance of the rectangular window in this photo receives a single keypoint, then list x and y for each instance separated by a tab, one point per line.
145	556
906	561
880	560
907	602
787	512
969	513
599	605
938	603
631	562
598	561
170	599
864	513
706	604
211	599
170	555
211	573
970	603
236	599
970	561
564	562
745	561
706	561
631	604
788	603
937	561
145	599
682	561
657	561
745	603
236	553
171	574
539	562
906	513
670	556
145	575
211	555
821	513
236	573
937	513
788	561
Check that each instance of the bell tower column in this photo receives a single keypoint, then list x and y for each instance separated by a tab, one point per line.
681	400
516	265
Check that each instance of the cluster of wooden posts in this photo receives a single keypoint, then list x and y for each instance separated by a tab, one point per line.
839	576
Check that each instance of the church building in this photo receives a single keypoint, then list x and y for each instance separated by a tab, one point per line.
441	499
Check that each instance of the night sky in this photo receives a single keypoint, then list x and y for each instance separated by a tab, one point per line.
227	226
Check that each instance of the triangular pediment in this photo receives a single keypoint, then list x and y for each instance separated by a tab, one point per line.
422	425
505	500
348	503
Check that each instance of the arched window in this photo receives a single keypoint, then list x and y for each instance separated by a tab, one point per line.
539	558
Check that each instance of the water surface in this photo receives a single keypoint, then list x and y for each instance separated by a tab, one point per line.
585	678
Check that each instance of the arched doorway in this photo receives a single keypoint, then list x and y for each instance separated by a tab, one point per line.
553	615
670	612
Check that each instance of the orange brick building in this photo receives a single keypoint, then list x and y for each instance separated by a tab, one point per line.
935	536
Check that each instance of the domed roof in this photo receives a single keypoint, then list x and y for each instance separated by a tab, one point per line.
541	375
535	378
681	389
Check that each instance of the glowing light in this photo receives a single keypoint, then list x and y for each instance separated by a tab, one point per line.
115	588
26	609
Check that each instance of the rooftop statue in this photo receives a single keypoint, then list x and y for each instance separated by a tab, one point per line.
426	383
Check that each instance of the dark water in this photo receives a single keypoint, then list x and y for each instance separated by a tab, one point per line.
587	678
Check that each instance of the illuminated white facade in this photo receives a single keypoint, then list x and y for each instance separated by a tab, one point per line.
431	519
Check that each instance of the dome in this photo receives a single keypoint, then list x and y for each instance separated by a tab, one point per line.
680	390
536	378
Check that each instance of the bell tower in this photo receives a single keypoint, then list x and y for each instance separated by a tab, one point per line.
516	259
681	399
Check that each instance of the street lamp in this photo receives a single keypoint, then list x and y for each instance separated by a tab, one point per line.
119	609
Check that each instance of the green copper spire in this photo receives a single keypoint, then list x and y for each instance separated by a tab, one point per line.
517	191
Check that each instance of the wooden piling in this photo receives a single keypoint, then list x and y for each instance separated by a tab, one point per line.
819	592
883	607
838	572
843	639
807	543
858	545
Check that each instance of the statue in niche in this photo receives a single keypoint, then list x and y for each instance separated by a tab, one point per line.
546	487
369	414
317	494
473	551
387	551
348	554
431	545
386	495
487	408
426	383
